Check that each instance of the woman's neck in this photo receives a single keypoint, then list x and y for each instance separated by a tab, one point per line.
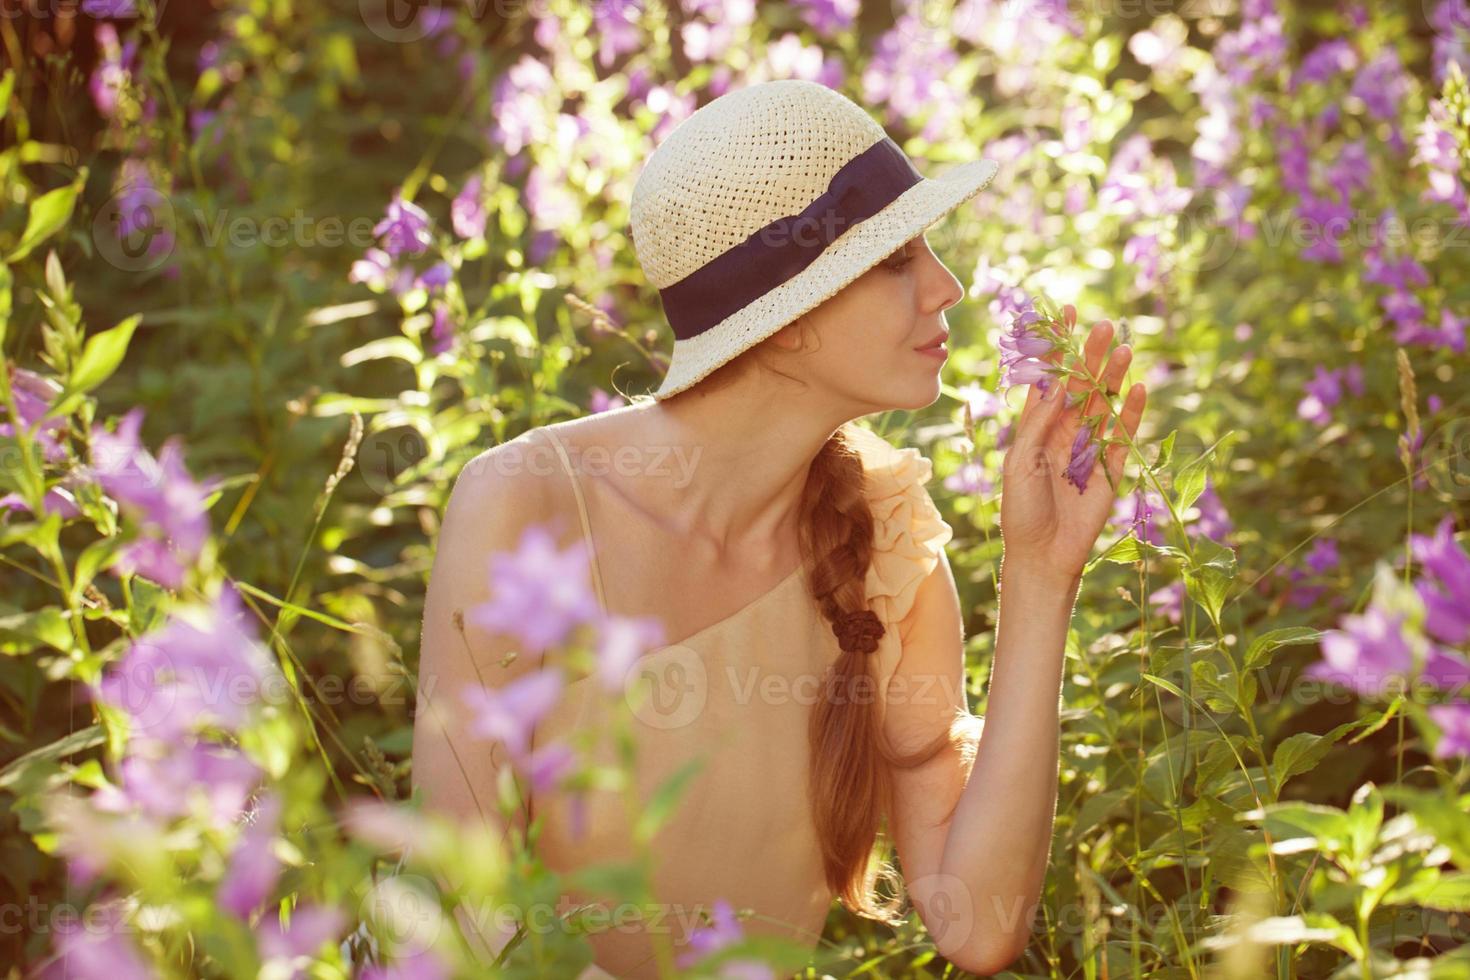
747	458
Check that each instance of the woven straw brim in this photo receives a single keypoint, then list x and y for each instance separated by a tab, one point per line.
849	256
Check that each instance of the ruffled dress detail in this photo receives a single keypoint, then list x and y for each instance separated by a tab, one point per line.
909	536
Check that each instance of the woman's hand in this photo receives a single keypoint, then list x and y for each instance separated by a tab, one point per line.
1048	526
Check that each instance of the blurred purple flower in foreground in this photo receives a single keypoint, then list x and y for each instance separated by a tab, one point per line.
828	17
1366	654
1373	653
707	939
165	781
405	228
311	927
621	641
95	947
970	478
169	506
436	276
1445	588
1454	720
254	867
509	714
187	673
33	396
142	211
110	8
1435	146
375	269
467	211
539	594
984	403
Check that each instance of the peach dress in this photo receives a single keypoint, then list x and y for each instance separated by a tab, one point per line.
739	692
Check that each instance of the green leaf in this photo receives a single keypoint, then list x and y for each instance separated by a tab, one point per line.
1297	754
1208	576
1166	450
101	356
1258	654
1124	551
24	632
1097	809
1301	752
399	347
93	559
1328	826
4	300
1447	892
1283	930
55	277
77	741
49	214
513	329
1221	758
1189	483
7	85
1105	51
1169	686
1440	813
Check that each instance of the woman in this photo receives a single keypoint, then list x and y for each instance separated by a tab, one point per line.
795	559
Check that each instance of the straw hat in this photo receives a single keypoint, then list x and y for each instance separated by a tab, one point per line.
766	202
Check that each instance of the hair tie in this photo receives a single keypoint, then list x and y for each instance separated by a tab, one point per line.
858	631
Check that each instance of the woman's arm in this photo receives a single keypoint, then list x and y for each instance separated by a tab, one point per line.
997	848
494	498
457	775
975	877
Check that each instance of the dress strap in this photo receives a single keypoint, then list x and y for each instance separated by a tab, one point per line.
566	463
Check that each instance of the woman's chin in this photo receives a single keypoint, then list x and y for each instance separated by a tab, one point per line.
916	395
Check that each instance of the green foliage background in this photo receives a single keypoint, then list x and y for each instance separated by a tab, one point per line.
1180	740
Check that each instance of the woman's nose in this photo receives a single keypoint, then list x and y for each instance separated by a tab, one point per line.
941	289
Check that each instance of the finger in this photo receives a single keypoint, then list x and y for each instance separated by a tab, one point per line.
1128	419
1093	353
1034	424
1112	379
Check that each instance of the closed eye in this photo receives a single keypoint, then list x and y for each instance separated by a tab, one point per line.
899	259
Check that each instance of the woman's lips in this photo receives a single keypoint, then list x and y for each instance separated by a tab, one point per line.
935	347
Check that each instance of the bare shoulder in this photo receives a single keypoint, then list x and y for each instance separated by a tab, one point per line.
524	480
530	461
513	479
